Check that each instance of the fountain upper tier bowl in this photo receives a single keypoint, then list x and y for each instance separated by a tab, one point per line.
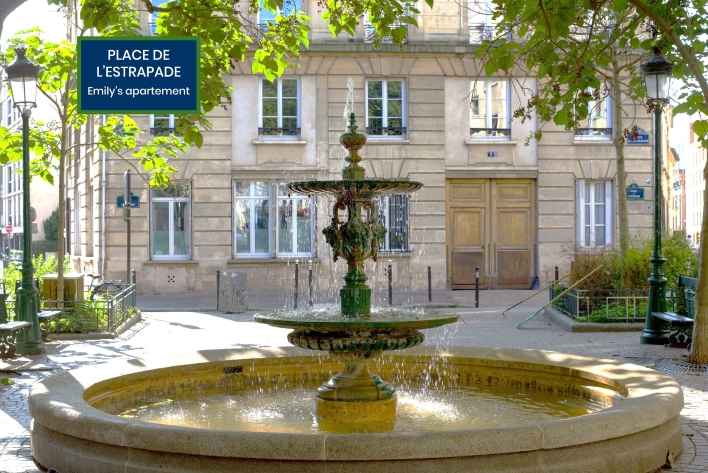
365	188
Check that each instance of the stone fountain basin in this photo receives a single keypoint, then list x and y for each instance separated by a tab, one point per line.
634	434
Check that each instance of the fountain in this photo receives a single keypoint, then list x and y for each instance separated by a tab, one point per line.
222	410
353	335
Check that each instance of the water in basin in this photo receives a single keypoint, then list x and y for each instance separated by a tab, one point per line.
419	410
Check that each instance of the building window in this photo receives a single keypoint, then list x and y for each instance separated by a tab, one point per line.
597	125
293	220
162	125
385	108
480	21
594	211
370	34
490	109
266	16
171	222
280	108
392	211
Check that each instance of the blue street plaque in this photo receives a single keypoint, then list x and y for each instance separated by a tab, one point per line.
641	139
138	75
634	192
134	201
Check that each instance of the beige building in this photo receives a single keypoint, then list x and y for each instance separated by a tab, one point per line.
696	157
430	115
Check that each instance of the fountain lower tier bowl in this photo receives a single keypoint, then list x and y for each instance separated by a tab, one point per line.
75	426
365	188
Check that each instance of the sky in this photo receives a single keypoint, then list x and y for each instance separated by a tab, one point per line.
35	13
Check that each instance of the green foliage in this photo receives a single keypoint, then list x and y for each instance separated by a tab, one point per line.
42	267
51	227
634	271
42	247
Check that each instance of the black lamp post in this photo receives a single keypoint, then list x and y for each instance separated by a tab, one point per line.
657	79
22	75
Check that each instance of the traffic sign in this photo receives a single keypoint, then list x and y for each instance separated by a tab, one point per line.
134	201
8	229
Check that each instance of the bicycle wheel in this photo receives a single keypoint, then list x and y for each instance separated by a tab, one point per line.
105	290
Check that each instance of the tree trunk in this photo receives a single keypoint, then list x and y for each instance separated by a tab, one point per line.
699	347
617	131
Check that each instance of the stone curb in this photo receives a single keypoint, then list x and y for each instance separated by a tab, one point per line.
569	325
137	317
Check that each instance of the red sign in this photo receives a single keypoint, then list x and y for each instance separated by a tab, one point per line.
8	229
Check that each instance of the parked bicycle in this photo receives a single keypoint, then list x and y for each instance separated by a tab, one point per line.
103	289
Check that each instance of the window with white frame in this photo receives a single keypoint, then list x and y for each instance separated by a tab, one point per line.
171	222
292	219
370	34
10	114
153	16
162	125
266	16
392	213
386	108
490	112
597	125
594	212
480	21
279	108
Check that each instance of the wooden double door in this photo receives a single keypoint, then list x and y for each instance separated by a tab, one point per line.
491	223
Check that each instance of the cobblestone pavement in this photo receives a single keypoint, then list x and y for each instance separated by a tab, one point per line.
177	331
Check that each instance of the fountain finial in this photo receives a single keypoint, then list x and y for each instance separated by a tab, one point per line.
353	142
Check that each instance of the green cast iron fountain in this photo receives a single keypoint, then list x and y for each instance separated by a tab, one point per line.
355	334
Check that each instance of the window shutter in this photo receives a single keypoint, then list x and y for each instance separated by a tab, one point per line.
580	211
609	214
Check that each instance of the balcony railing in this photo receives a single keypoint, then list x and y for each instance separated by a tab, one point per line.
481	32
490	132
273	131
370	33
386	131
593	132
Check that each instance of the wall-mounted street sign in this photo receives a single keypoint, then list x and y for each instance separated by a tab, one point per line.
134	201
642	138
138	75
634	192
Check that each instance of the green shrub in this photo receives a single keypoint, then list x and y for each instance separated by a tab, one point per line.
42	247
42	267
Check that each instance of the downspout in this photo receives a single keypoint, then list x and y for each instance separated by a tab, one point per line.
103	207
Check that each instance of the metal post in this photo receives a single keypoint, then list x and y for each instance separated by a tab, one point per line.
390	283
476	286
29	341
655	332
127	202
218	280
430	286
556	274
309	283
133	277
297	263
550	289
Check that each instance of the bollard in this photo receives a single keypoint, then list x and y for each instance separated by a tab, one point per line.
218	280
550	289
297	264
430	286
309	265
390	284
556	280
134	277
476	286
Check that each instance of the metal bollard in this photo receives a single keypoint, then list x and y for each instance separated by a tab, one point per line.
476	286
390	284
134	277
556	274
218	280
430	286
550	289
297	265
309	265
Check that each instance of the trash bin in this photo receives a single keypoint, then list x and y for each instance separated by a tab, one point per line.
73	288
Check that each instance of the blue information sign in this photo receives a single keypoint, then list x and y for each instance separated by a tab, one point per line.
138	75
634	192
641	138
134	201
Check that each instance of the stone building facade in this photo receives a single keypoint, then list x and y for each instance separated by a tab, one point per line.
430	115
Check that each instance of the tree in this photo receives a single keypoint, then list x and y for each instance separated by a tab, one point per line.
49	142
51	226
567	44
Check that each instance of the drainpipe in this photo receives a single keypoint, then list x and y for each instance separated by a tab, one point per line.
103	207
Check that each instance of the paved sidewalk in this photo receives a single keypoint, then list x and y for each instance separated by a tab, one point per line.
486	326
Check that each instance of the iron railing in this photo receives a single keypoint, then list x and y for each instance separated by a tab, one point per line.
593	131
81	316
386	130
481	32
625	305
370	33
276	131
490	132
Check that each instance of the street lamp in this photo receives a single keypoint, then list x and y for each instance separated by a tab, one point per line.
22	76
657	80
